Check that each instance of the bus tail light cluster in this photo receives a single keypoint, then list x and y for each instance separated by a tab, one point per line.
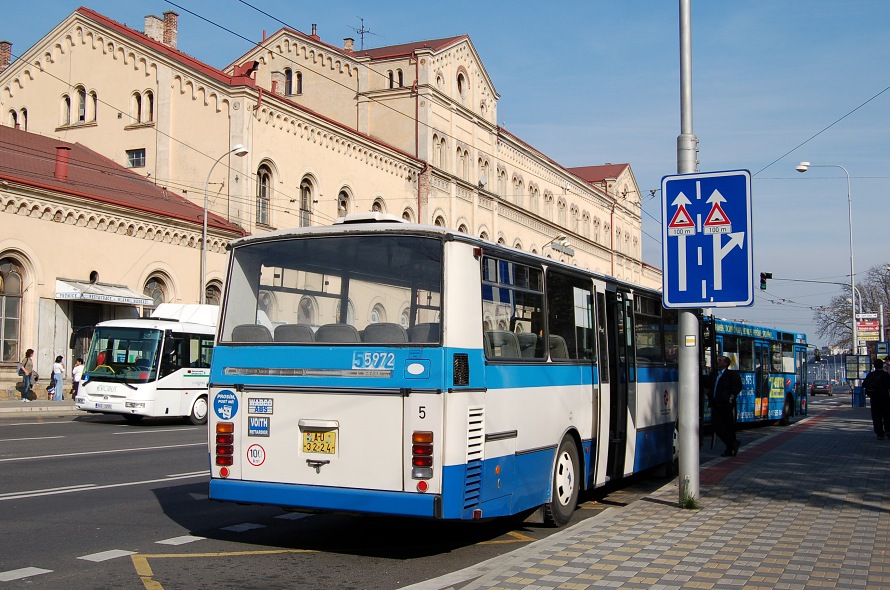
225	446
422	456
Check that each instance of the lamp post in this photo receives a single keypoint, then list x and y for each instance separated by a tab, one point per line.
561	244
240	151
803	167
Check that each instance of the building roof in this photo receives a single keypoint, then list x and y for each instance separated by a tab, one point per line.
408	48
30	159
598	174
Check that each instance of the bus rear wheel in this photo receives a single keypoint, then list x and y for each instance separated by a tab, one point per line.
787	412
566	485
198	415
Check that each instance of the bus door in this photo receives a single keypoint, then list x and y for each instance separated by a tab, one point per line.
622	391
761	379
800	380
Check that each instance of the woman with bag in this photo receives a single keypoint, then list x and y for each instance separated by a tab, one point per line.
26	367
58	374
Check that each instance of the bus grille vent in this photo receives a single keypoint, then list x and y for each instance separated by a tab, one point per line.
475	455
461	369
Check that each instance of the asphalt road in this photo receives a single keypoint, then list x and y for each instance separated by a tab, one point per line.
94	502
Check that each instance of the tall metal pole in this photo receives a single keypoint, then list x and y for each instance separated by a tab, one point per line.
688	354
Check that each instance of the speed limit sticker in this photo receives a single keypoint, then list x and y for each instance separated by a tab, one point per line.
256	455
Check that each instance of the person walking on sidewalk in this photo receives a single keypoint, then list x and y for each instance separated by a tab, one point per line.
58	374
76	376
726	385
877	387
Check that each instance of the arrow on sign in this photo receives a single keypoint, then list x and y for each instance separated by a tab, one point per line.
720	252
681	226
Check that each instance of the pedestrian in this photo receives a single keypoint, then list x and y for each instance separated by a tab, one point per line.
58	374
726	385
877	388
76	374
26	368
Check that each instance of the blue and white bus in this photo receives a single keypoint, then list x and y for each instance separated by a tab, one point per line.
391	368
772	364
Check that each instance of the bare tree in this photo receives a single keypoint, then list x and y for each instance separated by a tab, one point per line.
833	320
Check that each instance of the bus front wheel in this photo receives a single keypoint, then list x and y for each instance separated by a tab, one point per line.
198	415
566	485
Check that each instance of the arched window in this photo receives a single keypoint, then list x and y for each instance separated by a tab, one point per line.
66	109
440	221
378	314
378	206
408	215
23	121
390	76
462	228
299	82
149	104
342	203
502	182
137	107
13	119
461	163
213	293
263	194
156	288
405	317
306	311
288	82
437	151
350	314
11	274
305	202
401	78
461	85
81	104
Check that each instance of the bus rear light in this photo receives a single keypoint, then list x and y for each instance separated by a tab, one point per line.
422	486
225	445
224	472
422	454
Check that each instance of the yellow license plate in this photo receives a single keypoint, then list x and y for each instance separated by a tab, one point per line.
324	442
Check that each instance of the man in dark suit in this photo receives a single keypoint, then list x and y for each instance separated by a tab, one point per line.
726	385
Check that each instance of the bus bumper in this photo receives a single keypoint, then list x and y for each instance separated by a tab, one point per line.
327	498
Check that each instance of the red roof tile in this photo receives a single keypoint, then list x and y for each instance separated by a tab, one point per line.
30	159
597	174
409	48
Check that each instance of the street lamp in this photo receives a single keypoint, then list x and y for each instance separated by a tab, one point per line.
803	167
561	244
240	151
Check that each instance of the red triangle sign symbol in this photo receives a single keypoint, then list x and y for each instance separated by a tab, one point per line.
717	216
681	219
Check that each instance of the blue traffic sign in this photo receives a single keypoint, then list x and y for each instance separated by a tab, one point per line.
707	256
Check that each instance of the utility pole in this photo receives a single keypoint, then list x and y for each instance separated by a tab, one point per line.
688	353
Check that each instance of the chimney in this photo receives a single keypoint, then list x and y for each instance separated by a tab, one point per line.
349	44
5	54
62	154
171	21
314	31
154	28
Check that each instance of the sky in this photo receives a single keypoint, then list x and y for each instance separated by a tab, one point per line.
591	82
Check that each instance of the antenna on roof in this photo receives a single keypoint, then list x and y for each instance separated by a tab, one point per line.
362	31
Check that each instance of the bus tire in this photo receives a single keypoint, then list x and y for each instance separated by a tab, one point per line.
566	484
198	414
787	412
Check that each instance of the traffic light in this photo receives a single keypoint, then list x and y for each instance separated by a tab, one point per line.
763	277
817	355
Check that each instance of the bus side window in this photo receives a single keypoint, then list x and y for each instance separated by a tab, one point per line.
172	359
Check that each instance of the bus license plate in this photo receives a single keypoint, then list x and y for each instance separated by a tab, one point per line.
324	442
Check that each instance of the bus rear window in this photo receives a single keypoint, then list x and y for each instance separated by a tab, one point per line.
375	289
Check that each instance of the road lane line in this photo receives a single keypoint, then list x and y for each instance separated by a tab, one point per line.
57	490
204	443
29	438
146	431
93	487
25	572
106	555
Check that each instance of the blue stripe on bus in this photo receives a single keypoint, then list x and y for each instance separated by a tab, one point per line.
323	498
657	374
518	376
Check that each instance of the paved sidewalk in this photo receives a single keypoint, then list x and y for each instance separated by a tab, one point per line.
17	406
808	507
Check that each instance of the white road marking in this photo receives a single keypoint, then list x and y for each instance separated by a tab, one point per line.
152	431
106	555
104	452
25	572
240	528
180	540
30	438
293	516
91	487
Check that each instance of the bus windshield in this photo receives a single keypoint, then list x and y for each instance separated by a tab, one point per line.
339	290
124	354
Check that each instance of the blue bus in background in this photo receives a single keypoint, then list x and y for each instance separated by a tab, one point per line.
772	364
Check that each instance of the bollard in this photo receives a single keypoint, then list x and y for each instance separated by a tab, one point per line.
858	397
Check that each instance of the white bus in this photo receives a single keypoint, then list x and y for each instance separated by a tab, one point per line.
401	369
157	366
